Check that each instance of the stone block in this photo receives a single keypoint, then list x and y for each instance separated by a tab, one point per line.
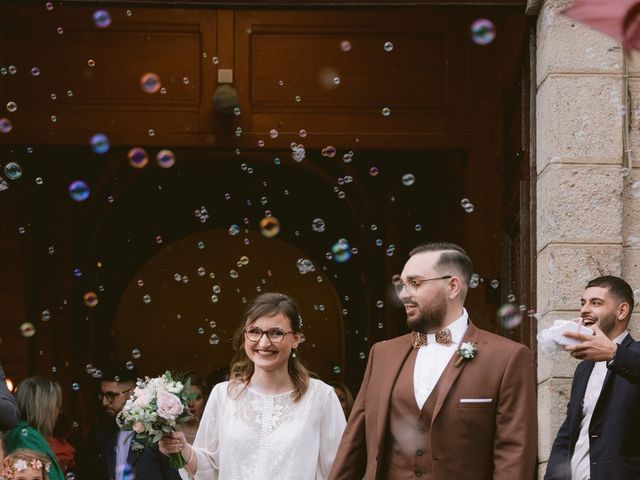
634	120
567	46
579	203
579	120
631	270
556	364
631	209
634	324
553	397
563	271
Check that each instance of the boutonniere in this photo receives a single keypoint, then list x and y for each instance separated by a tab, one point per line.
137	447
466	351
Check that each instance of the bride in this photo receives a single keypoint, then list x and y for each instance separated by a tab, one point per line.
270	420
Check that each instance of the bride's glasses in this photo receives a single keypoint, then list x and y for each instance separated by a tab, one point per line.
275	335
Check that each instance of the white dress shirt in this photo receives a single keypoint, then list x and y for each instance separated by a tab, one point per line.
433	358
580	462
122	452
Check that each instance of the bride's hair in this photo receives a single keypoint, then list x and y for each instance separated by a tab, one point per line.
242	368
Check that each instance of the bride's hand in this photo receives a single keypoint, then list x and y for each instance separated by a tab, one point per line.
174	442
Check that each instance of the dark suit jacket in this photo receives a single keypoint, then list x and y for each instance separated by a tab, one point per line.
614	432
99	458
470	441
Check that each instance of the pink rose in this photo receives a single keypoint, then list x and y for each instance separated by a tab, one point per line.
169	406
138	427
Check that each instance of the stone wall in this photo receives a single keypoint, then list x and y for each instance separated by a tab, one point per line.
588	220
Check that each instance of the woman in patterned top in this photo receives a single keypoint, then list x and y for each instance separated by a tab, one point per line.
270	420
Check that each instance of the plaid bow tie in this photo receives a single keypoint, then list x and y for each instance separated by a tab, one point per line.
419	339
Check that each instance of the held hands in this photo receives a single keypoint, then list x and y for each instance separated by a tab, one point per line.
596	347
175	442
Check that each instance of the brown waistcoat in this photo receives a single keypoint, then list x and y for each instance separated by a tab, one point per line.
407	453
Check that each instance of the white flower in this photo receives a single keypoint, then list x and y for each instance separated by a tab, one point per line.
20	465
466	351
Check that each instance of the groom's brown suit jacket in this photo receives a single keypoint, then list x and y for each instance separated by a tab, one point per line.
475	439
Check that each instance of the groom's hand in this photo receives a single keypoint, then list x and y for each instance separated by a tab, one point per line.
596	347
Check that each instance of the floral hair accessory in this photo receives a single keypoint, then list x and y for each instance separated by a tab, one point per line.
11	467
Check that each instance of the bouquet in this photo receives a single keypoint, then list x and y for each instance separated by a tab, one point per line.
154	408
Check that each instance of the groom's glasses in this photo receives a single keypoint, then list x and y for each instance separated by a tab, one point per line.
411	286
275	335
111	396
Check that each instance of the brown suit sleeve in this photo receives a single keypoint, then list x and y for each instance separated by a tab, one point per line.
515	447
351	459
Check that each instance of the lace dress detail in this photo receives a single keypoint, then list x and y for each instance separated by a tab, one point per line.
246	435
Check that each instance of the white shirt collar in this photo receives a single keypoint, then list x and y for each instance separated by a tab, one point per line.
457	328
621	337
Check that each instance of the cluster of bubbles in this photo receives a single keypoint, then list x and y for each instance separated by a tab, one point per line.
201	214
298	152
467	205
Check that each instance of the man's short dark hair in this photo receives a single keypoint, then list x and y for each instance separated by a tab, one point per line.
617	287
452	256
119	372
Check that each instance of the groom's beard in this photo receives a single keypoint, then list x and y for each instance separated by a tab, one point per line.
430	319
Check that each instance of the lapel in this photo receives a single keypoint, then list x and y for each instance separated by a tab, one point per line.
132	456
109	449
392	364
606	386
451	373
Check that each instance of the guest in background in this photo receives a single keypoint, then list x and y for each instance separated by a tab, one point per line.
196	406
64	451
39	400
270	421
344	395
24	464
217	375
112	452
9	415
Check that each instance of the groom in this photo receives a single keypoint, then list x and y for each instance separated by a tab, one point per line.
448	401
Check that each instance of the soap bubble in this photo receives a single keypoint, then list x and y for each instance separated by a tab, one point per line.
509	316
234	230
318	225
136	354
27	329
474	281
214	339
408	179
386	111
483	31
79	190
90	299
146	299
273	133
373	171
101	18
35	71
345	46
347	157
5	125
165	158
305	265
150	82
12	106
91	62
388	46
337	369
138	157
341	251
100	143
269	226
494	283
75	387
45	316
329	151
13	171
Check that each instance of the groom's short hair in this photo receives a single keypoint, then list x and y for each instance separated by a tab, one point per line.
617	287
452	256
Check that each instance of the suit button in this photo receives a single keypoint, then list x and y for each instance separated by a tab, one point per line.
419	452
418	473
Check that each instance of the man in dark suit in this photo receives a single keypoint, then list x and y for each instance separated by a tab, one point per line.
599	438
448	401
115	454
